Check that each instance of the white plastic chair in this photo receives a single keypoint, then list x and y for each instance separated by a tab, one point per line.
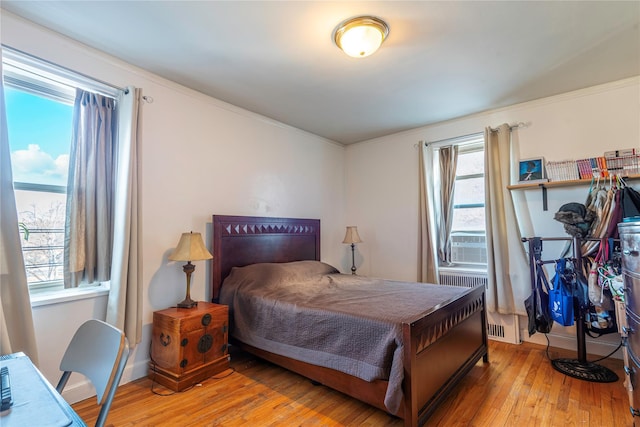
99	351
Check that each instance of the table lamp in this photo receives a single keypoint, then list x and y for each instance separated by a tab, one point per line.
190	248
352	237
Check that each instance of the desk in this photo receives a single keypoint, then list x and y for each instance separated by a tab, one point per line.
35	401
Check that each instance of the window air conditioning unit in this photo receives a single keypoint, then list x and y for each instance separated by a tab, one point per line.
468	249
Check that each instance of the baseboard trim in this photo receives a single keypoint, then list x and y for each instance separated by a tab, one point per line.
595	346
83	389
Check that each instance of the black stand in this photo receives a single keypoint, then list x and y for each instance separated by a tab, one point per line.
578	368
353	258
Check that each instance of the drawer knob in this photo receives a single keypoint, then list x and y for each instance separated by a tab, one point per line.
205	343
165	340
206	319
183	363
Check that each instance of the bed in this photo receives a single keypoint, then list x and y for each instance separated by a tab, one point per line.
435	347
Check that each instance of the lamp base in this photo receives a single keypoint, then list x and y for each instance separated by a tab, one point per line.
188	268
187	303
353	258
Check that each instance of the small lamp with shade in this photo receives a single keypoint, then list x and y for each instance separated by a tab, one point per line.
190	248
352	237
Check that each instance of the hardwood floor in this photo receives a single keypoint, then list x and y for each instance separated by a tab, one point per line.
518	387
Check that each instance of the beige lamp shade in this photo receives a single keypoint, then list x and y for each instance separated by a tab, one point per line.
190	248
352	235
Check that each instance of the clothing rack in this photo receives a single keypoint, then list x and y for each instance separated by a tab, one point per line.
579	368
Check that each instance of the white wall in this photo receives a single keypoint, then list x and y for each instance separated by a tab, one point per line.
382	174
199	156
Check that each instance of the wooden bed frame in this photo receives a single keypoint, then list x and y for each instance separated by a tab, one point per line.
440	348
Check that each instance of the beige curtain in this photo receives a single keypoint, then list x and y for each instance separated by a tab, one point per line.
88	225
427	263
16	319
448	161
507	267
124	309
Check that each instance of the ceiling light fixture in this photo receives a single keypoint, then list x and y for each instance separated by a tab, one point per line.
361	36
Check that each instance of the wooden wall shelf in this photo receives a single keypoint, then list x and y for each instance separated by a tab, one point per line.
553	184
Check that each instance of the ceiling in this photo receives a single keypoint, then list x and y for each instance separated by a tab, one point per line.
442	59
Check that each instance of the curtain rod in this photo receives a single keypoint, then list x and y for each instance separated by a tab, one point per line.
511	126
461	138
471	135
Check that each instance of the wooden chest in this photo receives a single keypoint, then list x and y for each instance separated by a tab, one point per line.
189	345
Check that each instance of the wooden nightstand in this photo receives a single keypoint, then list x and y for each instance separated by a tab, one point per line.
189	345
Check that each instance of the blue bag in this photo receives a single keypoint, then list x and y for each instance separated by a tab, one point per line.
561	297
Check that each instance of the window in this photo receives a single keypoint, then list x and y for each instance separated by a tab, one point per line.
39	106
467	236
468	244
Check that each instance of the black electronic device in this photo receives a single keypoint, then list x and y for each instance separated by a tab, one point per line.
5	382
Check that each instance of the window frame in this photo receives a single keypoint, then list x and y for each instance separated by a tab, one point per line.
38	77
30	82
468	148
466	144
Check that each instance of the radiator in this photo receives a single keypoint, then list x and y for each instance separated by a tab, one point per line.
468	279
500	327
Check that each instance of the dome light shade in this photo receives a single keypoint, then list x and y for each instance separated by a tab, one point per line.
360	36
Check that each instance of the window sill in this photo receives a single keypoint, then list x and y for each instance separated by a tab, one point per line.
55	297
466	268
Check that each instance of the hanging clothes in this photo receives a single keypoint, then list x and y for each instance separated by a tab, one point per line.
616	215
600	201
630	201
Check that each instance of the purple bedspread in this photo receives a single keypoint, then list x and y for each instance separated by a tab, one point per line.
308	311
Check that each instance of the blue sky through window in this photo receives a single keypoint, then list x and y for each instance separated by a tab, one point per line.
39	136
